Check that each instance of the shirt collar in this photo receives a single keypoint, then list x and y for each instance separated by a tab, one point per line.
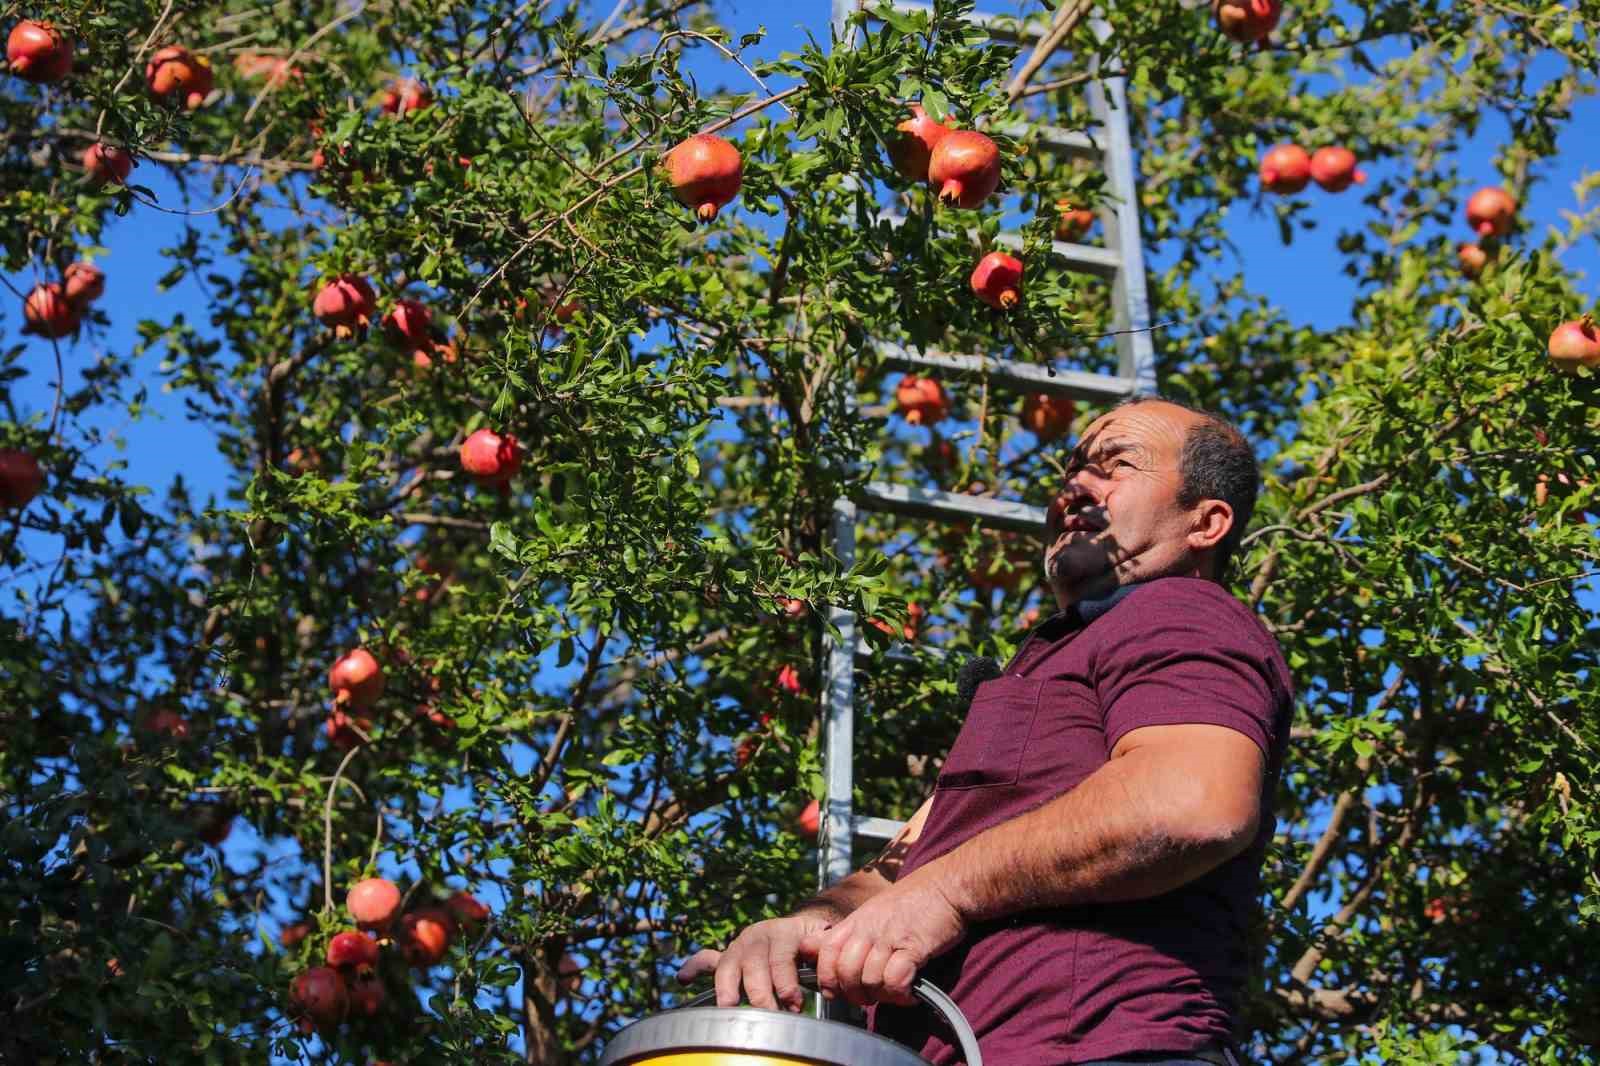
1086	611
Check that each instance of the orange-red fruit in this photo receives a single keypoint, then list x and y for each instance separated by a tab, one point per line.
346	303
1472	259
1335	168
964	168
1072	222
425	936
320	995
491	457
809	821
1575	344
166	721
404	97
175	73
706	173
1491	211
356	678
294	933
39	52
1247	21
789	681
20	478
913	149
365	989
373	902
275	69
1286	168
84	284
351	948
106	162
997	281
346	731
922	400
407	325
1047	417
47	312
466	909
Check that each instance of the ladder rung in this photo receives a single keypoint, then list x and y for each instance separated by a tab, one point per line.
1000	27
1060	141
952	506
1017	377
876	828
1084	258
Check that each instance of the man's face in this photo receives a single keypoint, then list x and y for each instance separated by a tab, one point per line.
1117	520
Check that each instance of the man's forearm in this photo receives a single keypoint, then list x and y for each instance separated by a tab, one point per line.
839	900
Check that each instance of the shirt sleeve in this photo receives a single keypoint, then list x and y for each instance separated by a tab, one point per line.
1188	658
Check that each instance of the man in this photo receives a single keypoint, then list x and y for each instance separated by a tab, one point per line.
1083	877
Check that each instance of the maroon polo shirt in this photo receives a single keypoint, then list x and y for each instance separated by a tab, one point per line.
1074	984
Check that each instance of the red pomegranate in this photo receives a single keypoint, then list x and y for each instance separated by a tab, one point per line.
356	679
293	933
1473	258
746	751
347	304
373	903
47	312
1286	168
20	479
1047	417
408	325
366	993
706	173
275	69
1575	344
1335	168
1491	212
166	721
466	909
1072	222
493	458
177	74
107	163
923	400
425	936
913	148
346	731
964	168
434	715
789	681
351	949
319	994
39	52
809	820
997	280
1247	21
84	284
404	97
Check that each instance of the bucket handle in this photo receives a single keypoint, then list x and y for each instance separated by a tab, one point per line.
922	988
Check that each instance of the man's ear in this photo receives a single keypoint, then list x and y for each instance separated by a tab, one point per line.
1210	521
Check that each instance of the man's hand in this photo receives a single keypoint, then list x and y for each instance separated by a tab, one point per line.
761	960
875	954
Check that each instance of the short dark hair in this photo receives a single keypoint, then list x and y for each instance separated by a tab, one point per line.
1217	463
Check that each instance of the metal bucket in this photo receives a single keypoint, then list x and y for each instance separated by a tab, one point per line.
696	1035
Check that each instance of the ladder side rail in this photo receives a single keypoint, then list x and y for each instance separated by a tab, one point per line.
838	751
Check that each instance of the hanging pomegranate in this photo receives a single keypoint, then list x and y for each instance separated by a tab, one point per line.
352	949
1574	344
1072	222
1247	21
997	280
1286	168
425	936
84	284
404	97
706	173
177	74
319	996
1047	417
1491	212
20	479
39	52
1473	258
346	304
46	311
809	821
407	326
356	679
493	458
964	168
373	903
1335	168
104	163
913	148
923	401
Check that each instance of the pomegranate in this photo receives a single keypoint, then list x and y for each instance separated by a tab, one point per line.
346	731
213	823
407	326
166	721
1335	168
365	988
493	458
1247	21
1575	344
964	168
293	933
914	616
435	715
1072	222
84	284
466	909
352	949
912	150
997	280
1047	417
1286	168
923	400
809	820
346	304
789	681
373	903
104	162
275	69
1491	212
746	751
39	52
706	173
793	607
48	313
356	679
319	994
20	478
1473	258
425	936
404	97
177	74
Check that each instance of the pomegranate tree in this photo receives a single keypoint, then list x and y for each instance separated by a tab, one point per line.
84	284
493	458
319	996
1247	21
356	679
373	903
47	312
1286	168
913	148
997	280
1335	168
964	168
1491	212
39	52
104	163
175	74
346	304
923	401
1574	344
706	173
20	478
1047	417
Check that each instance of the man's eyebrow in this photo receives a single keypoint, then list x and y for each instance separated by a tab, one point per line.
1103	450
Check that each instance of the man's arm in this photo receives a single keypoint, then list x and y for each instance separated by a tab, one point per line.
762	958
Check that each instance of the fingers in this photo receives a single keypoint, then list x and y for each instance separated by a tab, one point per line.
785	975
698	965
899	974
756	970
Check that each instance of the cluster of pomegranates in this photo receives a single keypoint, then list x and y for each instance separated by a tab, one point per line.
1287	168
38	51
53	309
1247	21
357	681
923	401
1491	212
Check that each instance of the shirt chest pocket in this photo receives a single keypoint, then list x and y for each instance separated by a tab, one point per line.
994	736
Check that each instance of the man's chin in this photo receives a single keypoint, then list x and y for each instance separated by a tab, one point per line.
1074	583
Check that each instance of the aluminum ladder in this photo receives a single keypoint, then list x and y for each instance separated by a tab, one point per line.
1122	262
